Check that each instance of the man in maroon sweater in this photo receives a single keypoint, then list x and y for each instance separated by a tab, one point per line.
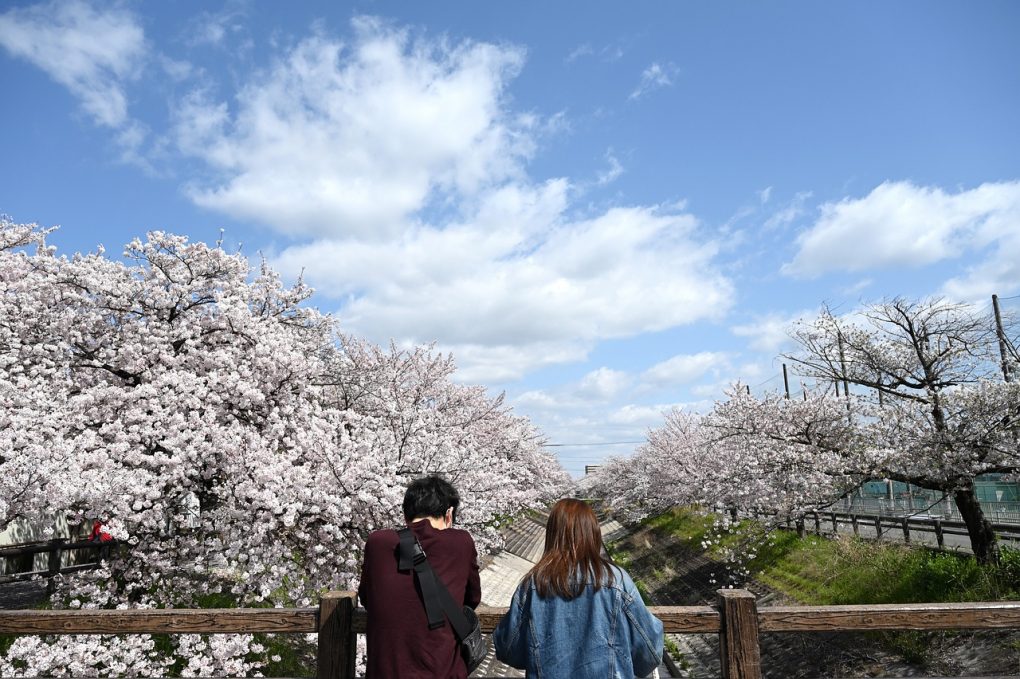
400	643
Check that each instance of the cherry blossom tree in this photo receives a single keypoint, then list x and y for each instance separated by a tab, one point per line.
937	403
29	379
772	456
223	429
923	402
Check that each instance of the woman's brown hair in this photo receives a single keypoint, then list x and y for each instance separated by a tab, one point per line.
573	555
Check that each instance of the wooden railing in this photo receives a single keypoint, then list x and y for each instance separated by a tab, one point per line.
736	619
56	549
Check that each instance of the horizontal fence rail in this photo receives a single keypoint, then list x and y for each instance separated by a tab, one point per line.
56	549
822	522
996	511
736	619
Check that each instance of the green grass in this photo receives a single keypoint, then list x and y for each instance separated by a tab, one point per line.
685	523
847	570
5	643
851	571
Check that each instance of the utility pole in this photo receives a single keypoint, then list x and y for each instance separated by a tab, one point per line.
1002	338
842	366
786	382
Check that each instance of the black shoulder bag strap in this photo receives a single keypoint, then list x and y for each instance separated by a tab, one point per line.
437	598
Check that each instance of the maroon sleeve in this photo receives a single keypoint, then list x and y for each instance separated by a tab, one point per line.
366	568
473	591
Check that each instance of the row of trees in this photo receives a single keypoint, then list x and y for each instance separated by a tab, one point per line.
926	399
228	432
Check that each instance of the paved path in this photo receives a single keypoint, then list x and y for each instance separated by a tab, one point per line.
26	594
525	541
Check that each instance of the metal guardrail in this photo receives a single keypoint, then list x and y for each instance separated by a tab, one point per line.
884	524
997	512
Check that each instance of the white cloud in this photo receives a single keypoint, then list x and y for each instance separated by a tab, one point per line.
213	28
653	78
94	53
483	364
684	368
854	288
178	70
611	173
768	333
765	194
404	163
900	224
609	53
521	275
755	375
343	139
603	384
999	273
582	50
641	415
539	400
90	52
788	213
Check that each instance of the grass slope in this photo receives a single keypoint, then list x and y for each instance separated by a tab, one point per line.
848	570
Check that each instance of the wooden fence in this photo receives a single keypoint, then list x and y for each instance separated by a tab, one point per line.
55	549
736	619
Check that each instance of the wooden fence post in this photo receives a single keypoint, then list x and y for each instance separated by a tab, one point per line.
878	527
853	521
739	653
818	523
835	525
906	530
800	527
53	564
938	533
338	642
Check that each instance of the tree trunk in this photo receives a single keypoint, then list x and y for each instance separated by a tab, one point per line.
982	538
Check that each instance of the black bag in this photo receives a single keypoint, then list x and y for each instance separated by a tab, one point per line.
439	603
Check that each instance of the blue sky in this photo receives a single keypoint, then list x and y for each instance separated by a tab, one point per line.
604	209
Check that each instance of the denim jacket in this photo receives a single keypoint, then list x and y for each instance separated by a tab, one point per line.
605	634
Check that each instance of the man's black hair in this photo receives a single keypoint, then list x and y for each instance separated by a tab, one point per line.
430	496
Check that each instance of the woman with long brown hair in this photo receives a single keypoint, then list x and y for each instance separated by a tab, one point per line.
576	613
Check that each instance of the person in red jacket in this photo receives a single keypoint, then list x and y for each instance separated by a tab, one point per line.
400	643
99	533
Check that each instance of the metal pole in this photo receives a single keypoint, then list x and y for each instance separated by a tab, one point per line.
1002	338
